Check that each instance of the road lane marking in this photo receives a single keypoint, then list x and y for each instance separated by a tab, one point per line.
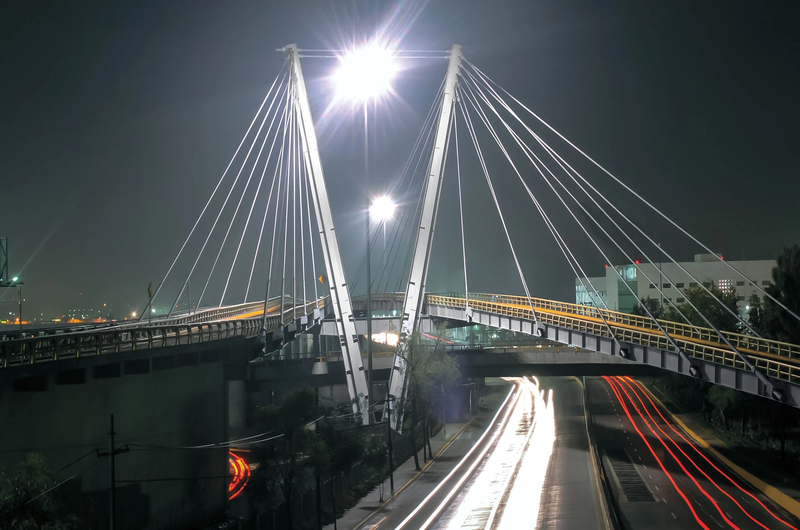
673	515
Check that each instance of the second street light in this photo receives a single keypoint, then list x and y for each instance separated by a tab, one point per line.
364	75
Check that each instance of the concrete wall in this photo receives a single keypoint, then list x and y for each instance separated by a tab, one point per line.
167	397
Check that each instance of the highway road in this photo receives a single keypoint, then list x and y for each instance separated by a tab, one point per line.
530	468
660	477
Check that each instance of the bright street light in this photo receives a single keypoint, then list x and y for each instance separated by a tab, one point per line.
15	278
382	208
365	73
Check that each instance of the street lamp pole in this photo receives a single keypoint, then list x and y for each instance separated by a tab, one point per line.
389	437
19	295
369	259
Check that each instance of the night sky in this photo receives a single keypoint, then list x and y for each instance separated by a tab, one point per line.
119	118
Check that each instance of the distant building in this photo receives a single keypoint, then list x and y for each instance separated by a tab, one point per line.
705	268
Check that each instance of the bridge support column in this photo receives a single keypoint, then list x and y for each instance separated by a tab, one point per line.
339	291
237	408
415	292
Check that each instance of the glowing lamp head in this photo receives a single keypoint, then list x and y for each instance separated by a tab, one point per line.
15	278
365	73
382	208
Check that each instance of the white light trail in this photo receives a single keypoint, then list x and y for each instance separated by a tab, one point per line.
475	509
458	485
522	507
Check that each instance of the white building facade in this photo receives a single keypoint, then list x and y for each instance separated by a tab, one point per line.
673	280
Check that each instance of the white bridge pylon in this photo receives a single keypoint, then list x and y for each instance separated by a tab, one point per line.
415	292
339	291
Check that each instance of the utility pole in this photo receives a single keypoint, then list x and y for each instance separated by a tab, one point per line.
319	503
112	451
19	295
389	440
112	478
369	264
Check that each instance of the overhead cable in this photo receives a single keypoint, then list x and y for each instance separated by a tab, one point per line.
213	193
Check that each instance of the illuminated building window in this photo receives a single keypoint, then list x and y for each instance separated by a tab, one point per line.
726	286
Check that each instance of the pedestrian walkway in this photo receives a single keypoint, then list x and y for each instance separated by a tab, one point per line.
404	476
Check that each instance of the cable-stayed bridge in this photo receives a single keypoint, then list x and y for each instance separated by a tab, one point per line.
276	269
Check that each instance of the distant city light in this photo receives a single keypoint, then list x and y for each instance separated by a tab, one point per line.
133	314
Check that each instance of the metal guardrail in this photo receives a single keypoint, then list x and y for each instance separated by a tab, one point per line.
229	321
175	332
739	340
585	319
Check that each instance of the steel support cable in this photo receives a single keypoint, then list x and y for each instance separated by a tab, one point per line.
399	227
635	194
562	245
252	205
559	160
414	218
545	217
762	377
413	175
425	127
585	231
461	210
222	208
279	173
241	199
278	164
528	153
736	351
213	193
474	137
407	219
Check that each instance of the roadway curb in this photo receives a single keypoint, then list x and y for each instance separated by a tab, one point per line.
415	477
787	503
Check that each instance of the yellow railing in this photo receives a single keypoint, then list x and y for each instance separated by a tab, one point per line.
696	342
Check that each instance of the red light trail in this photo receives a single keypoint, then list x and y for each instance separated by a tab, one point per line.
618	386
240	474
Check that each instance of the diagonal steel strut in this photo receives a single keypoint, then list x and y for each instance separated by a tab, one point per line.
415	292
339	292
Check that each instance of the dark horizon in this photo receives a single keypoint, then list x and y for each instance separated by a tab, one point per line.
120	119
